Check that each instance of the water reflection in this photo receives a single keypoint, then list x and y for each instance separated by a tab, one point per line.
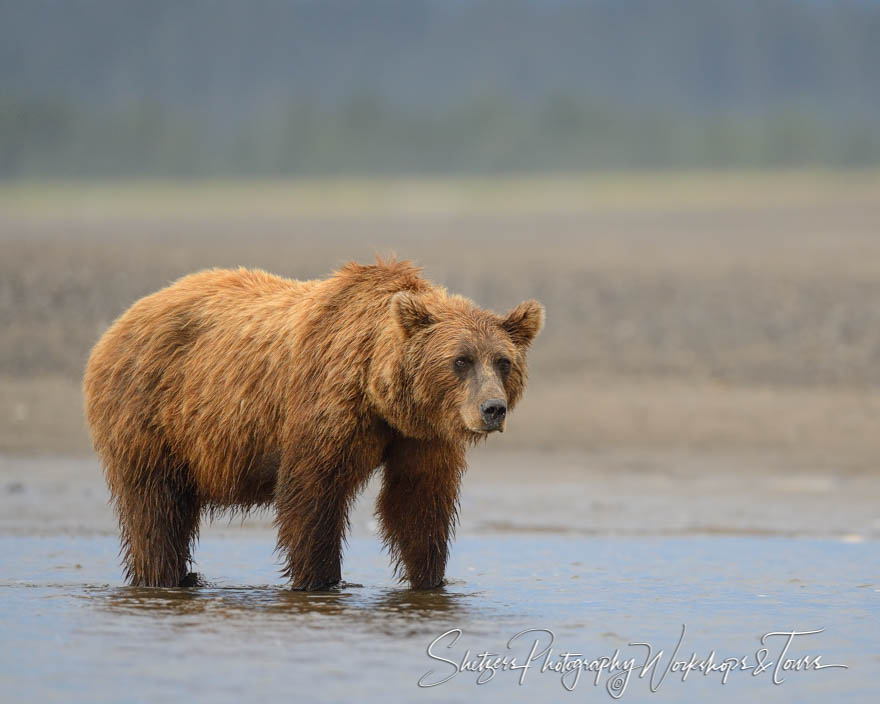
349	604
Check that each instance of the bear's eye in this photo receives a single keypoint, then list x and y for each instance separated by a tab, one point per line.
504	365
462	362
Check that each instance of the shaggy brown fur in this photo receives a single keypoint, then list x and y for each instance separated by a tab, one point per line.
236	389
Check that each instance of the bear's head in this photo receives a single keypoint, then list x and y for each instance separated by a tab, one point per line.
455	370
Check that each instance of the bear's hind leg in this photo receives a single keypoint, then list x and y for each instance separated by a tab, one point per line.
159	521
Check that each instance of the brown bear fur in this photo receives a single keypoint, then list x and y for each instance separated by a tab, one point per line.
238	389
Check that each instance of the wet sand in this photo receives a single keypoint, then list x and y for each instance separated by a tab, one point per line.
573	494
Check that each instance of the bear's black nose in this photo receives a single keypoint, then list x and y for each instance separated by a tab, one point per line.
493	412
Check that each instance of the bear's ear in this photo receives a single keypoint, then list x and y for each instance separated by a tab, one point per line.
409	310
524	322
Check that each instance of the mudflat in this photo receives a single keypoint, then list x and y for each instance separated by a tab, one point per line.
710	312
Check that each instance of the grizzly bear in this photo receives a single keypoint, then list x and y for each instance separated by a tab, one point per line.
240	389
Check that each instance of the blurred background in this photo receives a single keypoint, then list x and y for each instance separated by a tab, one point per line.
690	187
196	88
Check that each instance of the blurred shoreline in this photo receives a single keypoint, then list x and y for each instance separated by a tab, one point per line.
552	193
817	429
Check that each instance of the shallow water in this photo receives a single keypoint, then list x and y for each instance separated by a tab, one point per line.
72	632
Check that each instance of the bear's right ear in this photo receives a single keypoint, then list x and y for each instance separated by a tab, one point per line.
409	310
524	322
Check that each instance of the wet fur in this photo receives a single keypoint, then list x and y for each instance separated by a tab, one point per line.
239	389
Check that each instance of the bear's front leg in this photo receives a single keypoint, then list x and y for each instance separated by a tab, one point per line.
311	516
417	507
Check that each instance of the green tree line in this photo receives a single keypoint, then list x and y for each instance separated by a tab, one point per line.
43	139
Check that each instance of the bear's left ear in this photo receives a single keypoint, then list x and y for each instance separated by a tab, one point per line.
409	310
524	322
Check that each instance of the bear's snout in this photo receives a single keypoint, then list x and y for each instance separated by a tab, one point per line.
493	411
